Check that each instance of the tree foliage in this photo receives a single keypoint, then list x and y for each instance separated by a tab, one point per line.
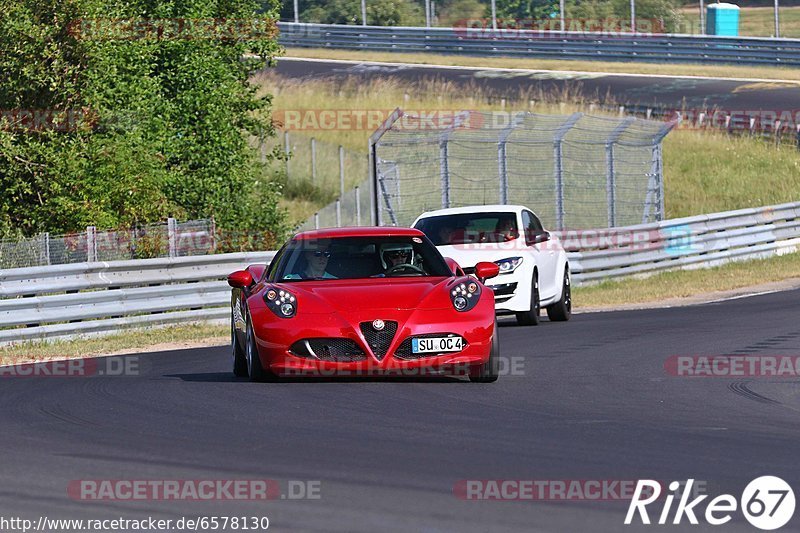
166	118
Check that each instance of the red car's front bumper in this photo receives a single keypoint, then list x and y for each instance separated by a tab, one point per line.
275	337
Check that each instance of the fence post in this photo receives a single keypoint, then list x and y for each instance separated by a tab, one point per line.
559	166
444	173
45	260
172	236
338	212
341	170
91	244
502	156
213	230
313	160
262	148
358	206
287	151
611	174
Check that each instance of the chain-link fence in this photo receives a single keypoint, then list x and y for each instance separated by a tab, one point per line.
575	171
354	208
168	239
315	169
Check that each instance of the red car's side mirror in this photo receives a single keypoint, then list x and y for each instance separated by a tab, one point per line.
240	279
485	270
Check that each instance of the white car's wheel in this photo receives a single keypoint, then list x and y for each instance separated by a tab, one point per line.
531	317
561	311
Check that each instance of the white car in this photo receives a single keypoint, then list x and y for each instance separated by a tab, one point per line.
534	272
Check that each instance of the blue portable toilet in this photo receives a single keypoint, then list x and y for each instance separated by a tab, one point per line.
722	19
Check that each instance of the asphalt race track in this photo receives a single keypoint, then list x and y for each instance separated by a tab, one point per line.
734	96
594	403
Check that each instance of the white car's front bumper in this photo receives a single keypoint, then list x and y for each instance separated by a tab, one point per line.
512	291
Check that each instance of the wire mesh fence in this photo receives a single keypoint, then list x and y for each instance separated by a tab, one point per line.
317	169
352	209
576	171
168	239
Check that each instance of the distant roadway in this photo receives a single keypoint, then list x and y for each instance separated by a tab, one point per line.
666	92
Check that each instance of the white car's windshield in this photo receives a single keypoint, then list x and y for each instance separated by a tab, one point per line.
468	228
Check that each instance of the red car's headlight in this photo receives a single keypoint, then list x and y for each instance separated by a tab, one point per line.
465	294
281	302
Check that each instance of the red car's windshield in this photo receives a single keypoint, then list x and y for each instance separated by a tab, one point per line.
358	257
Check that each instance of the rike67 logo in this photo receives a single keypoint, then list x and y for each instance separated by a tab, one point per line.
767	503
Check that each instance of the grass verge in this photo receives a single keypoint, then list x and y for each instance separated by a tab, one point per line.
166	338
616	67
688	283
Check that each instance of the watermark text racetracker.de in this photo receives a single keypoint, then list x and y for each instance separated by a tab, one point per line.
733	366
199	490
552	490
113	366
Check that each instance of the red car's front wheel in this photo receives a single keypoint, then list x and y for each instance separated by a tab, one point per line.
489	371
254	368
240	366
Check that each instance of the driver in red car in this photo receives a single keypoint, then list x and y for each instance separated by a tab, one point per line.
394	255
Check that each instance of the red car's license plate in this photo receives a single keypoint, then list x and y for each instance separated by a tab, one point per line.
436	344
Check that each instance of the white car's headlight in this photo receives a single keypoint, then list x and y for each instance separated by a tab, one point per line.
509	264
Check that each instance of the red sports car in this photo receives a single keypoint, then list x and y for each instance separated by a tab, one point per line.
363	301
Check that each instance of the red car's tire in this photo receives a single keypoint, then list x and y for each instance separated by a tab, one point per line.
256	371
490	370
239	357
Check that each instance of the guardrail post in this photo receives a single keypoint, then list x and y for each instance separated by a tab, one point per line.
172	237
559	166
91	244
358	206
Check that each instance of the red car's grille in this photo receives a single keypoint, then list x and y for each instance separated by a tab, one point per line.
331	349
404	350
379	339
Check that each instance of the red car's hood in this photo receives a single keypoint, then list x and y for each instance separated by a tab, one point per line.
379	293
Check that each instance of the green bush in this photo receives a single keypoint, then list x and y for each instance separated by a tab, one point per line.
168	118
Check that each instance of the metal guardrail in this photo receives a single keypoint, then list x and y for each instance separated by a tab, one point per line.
89	298
659	48
104	297
692	242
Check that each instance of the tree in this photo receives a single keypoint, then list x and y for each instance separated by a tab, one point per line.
167	106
